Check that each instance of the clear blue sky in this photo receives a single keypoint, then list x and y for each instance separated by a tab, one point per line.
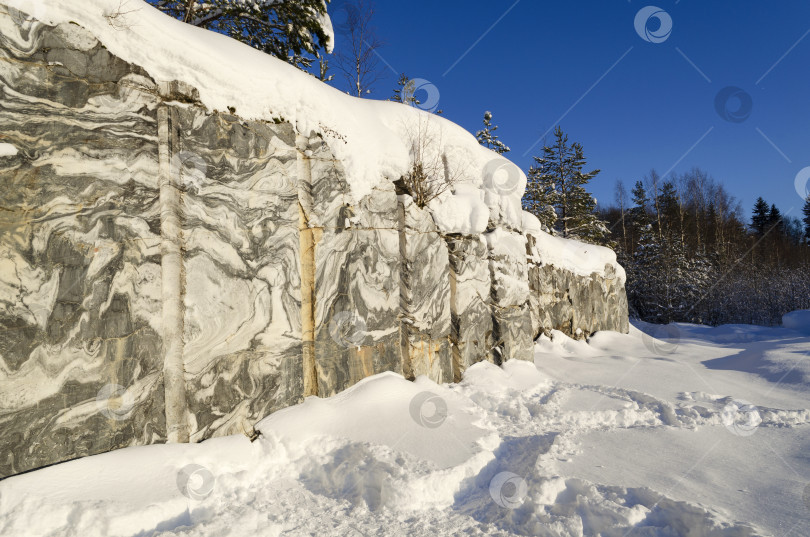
656	102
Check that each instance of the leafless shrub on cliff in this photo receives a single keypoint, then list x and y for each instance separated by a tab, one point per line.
430	175
117	18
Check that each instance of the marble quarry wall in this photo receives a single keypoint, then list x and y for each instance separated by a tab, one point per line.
173	273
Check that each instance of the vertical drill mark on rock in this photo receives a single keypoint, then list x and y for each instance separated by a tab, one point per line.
424	294
153	238
509	295
404	346
457	360
471	317
307	241
171	268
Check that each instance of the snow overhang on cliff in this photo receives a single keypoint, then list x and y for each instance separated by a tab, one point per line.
373	140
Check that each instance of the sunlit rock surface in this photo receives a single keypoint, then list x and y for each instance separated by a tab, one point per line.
80	300
424	295
281	287
574	304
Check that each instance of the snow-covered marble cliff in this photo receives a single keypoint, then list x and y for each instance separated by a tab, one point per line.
170	270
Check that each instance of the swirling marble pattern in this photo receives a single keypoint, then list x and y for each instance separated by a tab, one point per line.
573	304
357	268
79	257
424	303
242	325
471	329
510	297
151	248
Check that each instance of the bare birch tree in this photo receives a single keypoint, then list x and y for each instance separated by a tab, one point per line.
357	58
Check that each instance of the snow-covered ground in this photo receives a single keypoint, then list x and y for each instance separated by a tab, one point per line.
700	432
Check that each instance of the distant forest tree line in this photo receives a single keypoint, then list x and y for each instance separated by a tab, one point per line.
690	253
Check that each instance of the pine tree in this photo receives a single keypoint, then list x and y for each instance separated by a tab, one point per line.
760	218
293	31
560	170
806	219
487	137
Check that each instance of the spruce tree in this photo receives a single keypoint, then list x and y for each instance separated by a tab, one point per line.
487	137
557	179
541	198
761	217
639	217
806	219
670	209
643	288
292	31
775	222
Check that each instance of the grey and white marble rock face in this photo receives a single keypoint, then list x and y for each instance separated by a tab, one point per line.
169	272
356	283
424	295
576	305
79	258
470	285
242	324
509	296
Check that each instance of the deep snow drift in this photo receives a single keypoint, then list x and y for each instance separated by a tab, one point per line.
700	432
